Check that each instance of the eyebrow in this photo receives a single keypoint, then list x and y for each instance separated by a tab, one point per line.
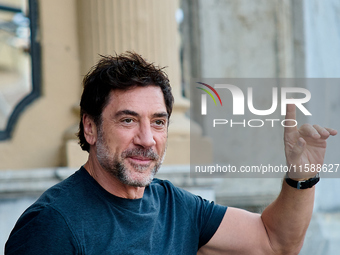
133	113
160	115
126	112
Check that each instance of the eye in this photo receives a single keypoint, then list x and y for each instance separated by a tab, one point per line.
160	122
127	120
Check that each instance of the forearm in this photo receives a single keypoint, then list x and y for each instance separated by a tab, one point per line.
287	218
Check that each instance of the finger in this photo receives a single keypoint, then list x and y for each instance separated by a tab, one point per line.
322	131
308	130
331	131
290	115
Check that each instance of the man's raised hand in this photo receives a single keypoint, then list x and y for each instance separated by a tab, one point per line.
305	147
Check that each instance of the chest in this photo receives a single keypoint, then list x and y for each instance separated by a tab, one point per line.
160	228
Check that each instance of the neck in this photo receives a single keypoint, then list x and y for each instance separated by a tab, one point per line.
110	183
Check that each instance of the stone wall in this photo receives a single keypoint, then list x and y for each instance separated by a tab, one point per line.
272	39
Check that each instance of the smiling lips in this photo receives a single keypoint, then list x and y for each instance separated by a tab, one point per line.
141	160
140	157
140	154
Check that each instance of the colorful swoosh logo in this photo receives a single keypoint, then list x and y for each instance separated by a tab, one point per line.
209	93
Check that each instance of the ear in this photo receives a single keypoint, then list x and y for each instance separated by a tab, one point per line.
90	129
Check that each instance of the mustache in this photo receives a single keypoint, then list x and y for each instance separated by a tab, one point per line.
141	152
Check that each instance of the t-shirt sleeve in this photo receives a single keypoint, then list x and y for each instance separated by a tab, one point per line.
206	216
209	218
41	231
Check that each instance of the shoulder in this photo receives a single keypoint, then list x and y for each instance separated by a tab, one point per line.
51	232
51	205
165	186
49	219
37	214
204	216
63	194
182	196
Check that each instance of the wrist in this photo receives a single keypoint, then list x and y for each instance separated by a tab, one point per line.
301	175
302	184
297	177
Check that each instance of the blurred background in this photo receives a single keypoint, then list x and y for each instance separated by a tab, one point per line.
46	47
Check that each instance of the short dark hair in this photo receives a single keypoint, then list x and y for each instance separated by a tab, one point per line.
119	72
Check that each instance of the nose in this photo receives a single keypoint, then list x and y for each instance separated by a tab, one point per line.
144	136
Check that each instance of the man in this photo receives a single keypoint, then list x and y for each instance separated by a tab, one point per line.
113	205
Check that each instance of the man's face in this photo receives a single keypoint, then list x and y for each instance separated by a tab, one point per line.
132	137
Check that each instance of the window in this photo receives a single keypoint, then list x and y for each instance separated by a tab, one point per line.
19	60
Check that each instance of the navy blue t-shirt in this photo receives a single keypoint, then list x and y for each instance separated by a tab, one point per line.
78	216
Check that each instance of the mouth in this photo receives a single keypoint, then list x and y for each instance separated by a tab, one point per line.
138	160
